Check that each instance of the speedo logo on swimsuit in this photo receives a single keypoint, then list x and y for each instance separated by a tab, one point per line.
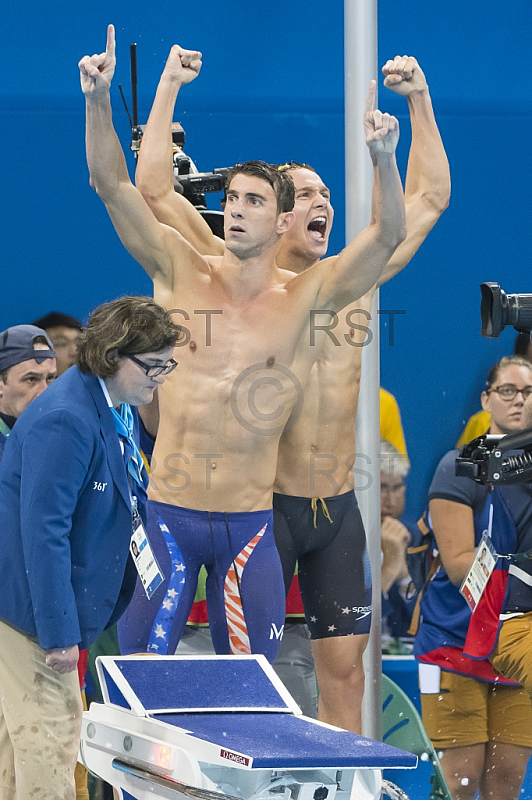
362	611
234	757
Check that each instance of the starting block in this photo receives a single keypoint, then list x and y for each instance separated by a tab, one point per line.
221	728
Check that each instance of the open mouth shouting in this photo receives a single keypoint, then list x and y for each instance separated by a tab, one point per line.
317	228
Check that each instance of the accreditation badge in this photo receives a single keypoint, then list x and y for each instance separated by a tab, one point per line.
478	576
148	569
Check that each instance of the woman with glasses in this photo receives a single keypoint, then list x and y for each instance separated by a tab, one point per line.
72	500
479	423
480	721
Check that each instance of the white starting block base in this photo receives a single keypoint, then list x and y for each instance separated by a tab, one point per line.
213	726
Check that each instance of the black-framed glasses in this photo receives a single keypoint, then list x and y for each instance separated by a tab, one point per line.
508	391
154	370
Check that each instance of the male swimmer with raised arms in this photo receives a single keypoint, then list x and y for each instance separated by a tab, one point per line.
317	454
258	323
324	433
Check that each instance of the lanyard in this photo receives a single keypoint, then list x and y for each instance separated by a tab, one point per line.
5	429
516	557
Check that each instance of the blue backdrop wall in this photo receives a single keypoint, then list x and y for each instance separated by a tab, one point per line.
272	88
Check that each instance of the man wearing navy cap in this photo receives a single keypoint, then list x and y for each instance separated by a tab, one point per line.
27	367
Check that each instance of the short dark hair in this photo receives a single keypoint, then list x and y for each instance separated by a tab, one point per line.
56	319
125	327
281	182
506	361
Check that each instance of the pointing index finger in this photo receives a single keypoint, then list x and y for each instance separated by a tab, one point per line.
110	46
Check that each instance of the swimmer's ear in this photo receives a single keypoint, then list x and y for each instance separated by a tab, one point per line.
285	222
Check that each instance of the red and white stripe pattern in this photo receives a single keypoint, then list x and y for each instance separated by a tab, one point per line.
236	624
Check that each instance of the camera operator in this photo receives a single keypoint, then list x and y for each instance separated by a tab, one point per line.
478	424
481	722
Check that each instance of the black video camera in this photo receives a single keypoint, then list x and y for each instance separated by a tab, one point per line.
188	181
500	459
497	459
498	309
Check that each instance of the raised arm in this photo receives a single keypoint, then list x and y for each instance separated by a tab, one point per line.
154	177
428	181
358	267
141	234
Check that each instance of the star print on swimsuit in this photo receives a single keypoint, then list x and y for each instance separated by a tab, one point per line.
165	616
160	632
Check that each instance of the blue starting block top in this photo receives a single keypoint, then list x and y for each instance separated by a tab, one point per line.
285	741
149	684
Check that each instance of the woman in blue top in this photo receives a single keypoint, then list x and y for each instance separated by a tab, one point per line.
481	722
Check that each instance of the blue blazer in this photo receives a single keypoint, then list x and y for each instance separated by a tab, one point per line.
65	511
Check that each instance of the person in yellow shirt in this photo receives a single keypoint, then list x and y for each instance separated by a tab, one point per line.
391	427
477	425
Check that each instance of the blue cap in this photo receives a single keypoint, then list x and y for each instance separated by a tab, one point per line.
17	345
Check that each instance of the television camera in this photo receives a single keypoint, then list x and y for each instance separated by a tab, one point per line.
500	459
188	181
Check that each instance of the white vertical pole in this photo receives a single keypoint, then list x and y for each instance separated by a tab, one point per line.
360	36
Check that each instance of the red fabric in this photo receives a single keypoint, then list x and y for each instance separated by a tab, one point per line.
198	613
484	624
294	603
82	668
452	659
